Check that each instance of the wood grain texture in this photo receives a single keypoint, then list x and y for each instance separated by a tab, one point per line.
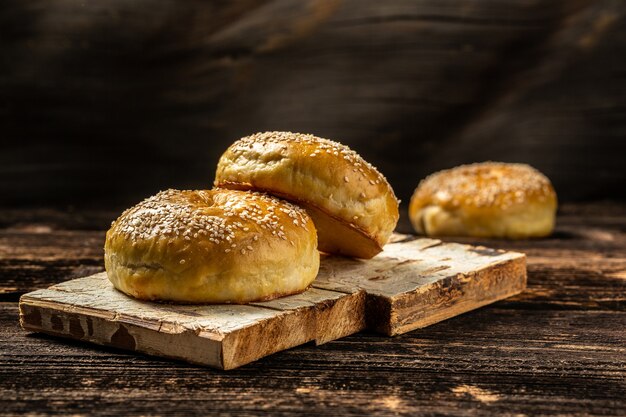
153	86
337	314
556	349
413	283
220	336
416	283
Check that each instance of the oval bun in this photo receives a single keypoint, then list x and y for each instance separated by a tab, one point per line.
352	204
213	246
489	199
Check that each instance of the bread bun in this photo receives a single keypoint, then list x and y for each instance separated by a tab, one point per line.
489	199
214	246
352	205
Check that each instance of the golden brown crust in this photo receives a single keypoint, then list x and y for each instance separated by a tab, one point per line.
489	199
348	240
326	177
212	246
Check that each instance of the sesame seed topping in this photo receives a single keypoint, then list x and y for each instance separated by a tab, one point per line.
213	217
484	184
314	146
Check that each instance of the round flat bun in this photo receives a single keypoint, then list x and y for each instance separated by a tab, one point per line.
352	205
213	246
487	199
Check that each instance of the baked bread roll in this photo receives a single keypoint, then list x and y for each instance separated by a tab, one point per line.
487	199
214	246
352	205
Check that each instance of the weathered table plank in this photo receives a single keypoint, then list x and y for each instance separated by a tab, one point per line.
477	363
555	349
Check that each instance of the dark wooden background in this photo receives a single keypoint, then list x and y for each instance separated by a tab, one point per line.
559	348
103	103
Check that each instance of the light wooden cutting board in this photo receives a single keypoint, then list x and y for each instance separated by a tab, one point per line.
413	283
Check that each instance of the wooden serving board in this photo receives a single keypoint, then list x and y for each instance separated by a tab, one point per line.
413	283
418	282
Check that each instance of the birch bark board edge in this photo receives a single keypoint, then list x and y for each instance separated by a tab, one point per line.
221	336
449	297
419	282
412	284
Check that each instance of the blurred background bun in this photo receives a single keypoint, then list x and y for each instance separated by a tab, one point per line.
488	199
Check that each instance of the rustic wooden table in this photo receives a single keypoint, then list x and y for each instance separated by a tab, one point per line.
558	348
